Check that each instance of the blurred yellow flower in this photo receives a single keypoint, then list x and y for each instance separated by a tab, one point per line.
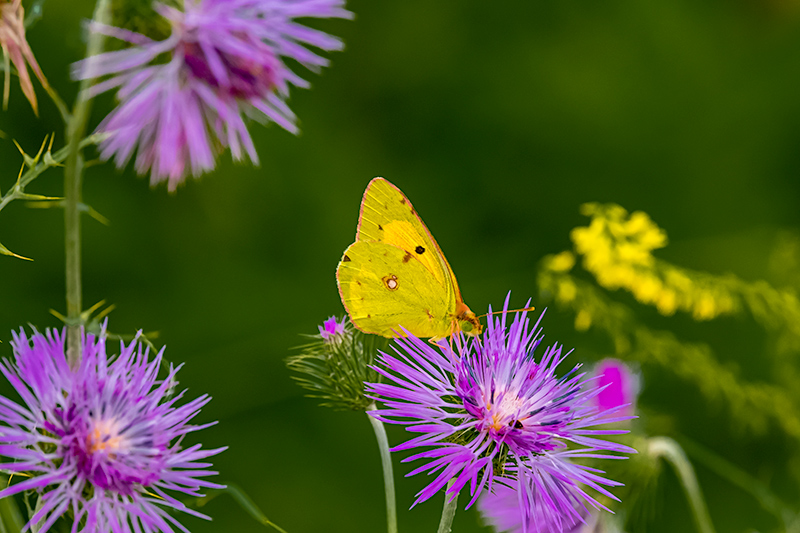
583	320
617	248
566	291
562	262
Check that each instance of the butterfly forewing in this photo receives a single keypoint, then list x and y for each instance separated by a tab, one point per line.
388	216
382	288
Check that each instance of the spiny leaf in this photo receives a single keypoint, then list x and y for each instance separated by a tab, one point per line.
48	155
31	161
54	201
36	198
6	251
94	214
58	315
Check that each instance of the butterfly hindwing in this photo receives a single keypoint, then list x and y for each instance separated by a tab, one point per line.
383	286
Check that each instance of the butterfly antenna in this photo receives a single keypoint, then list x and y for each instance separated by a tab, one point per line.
521	310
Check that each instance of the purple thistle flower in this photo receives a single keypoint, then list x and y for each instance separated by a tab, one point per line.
489	411
225	60
102	442
331	329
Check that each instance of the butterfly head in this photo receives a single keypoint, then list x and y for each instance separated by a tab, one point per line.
465	320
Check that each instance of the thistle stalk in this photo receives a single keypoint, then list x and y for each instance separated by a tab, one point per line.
672	453
388	474
73	182
448	511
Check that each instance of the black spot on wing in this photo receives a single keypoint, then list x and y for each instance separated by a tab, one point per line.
420	250
380	227
345	259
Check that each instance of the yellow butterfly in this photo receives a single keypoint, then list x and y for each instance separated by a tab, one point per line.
396	275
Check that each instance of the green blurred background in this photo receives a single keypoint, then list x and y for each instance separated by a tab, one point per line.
498	121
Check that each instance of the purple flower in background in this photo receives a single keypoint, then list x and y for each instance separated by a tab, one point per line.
501	510
331	329
226	59
490	414
102	442
620	386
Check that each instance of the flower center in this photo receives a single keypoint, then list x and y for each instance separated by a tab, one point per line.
504	412
104	438
246	77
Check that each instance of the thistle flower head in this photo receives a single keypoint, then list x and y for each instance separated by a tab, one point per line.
102	442
490	412
332	329
225	59
336	363
17	51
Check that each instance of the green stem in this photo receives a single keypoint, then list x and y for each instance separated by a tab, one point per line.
73	181
388	474
449	510
672	452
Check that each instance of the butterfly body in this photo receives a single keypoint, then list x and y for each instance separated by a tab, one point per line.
395	276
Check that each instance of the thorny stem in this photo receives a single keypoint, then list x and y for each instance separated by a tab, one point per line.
73	181
388	474
449	510
18	190
672	452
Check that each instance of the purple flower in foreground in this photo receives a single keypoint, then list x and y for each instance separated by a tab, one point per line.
103	442
490	412
225	60
331	329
